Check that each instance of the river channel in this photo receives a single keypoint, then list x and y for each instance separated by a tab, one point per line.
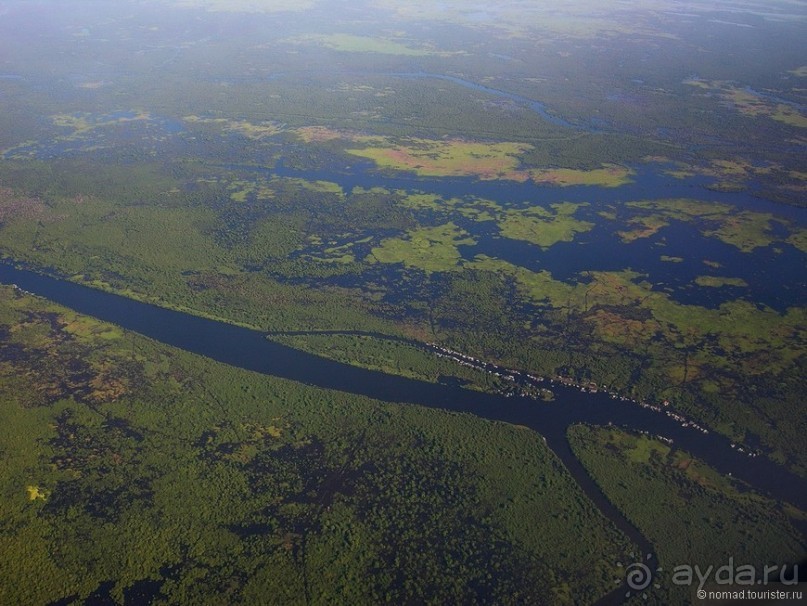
251	350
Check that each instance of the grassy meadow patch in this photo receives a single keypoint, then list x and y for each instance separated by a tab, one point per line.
720	281
426	248
486	161
543	227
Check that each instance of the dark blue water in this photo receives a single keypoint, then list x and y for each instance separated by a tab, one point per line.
775	274
775	278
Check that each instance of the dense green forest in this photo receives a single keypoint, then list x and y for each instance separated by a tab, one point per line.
132	467
706	518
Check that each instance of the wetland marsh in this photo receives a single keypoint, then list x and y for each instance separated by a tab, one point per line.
607	198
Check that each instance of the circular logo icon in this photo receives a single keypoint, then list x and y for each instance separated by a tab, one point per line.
638	576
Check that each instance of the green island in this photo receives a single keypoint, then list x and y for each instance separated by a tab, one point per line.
719	281
612	200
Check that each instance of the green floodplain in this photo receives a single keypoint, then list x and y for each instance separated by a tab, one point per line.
330	176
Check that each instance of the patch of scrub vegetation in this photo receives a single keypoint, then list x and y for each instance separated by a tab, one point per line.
427	248
671	497
746	230
34	493
81	123
261	130
642	227
483	160
542	227
719	281
82	131
671	259
276	488
446	158
749	102
611	175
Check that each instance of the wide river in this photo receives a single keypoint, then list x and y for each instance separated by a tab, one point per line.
251	350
